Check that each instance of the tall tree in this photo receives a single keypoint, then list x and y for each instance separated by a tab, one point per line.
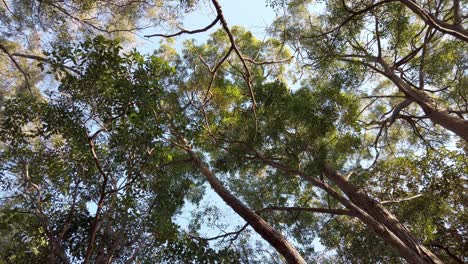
391	44
98	168
29	27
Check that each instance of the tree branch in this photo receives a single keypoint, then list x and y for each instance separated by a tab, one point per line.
100	204
185	31
307	209
235	235
237	51
453	256
18	66
268	62
402	200
41	59
353	15
454	30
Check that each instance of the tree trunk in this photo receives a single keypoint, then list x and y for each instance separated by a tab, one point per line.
369	211
437	115
455	30
273	237
419	254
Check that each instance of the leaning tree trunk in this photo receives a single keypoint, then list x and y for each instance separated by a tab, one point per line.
271	235
369	211
414	251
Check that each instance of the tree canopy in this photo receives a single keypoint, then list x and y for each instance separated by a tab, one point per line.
344	129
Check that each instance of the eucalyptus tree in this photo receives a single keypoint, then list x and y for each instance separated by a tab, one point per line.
97	170
29	27
432	194
321	51
87	172
407	70
307	133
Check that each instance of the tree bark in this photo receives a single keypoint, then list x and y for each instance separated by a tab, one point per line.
437	115
268	233
365	209
415	251
455	30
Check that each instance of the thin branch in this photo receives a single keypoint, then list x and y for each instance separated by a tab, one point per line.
18	66
414	51
239	54
71	214
402	200
365	107
185	31
86	23
100	204
422	59
363	63
235	235
41	59
9	10
382	96
308	209
214	72
354	14
268	62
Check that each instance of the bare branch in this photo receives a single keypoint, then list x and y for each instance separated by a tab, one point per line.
454	30
382	96
214	72
269	62
85	23
308	209
353	15
100	204
185	31
237	51
402	200
235	235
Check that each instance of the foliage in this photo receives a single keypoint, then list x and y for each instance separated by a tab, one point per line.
99	164
114	105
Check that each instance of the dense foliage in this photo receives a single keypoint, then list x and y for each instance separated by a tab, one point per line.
103	149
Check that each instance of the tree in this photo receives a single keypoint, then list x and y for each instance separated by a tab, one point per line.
90	148
388	39
97	169
29	27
